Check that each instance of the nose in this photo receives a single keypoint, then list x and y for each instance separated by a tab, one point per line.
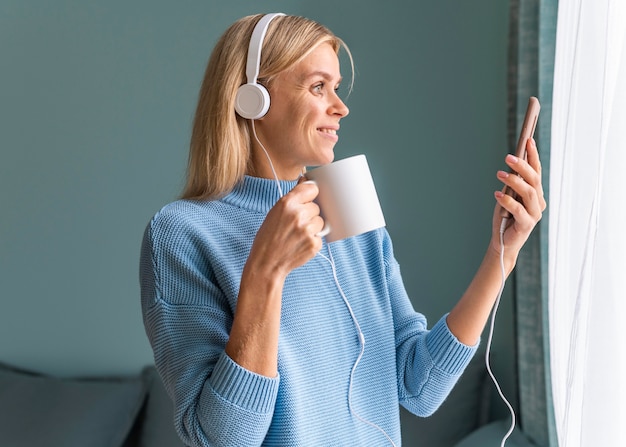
338	107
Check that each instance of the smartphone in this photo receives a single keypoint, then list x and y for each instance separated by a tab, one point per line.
527	132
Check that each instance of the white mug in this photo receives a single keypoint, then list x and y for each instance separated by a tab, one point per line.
347	198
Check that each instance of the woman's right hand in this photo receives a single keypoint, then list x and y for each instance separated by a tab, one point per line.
288	237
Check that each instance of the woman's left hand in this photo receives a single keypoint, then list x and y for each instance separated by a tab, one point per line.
526	212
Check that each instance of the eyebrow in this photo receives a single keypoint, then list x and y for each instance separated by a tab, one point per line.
321	73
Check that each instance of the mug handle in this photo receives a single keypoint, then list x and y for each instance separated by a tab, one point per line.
326	228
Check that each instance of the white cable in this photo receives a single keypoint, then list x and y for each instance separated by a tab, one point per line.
280	190
362	346
331	261
491	328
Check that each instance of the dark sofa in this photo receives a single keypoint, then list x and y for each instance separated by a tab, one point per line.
42	411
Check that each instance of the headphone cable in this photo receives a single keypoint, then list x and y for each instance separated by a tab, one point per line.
490	338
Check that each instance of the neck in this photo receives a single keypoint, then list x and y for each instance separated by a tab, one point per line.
263	166
260	166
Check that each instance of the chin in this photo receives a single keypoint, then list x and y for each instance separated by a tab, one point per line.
321	162
327	157
322	156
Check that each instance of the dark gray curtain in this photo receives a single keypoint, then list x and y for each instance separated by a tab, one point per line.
531	67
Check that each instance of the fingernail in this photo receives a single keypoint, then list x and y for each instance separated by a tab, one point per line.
511	158
499	194
503	174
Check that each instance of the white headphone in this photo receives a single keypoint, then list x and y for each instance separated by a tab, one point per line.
253	100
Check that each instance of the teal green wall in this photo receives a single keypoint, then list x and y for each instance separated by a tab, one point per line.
96	102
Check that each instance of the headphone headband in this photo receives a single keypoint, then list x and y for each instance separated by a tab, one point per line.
256	44
253	101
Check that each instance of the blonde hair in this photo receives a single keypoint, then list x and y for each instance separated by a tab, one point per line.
220	145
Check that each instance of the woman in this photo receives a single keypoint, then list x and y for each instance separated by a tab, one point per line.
255	340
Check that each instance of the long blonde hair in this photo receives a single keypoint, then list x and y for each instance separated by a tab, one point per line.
220	144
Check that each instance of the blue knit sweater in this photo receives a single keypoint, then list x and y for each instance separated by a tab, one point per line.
192	258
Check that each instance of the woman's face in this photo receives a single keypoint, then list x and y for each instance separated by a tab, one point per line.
300	128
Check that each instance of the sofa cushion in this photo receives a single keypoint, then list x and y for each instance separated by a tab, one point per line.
39	410
157	426
492	434
465	409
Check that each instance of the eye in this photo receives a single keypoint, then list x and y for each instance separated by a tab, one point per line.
318	88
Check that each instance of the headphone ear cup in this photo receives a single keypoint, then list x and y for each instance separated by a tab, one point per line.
252	101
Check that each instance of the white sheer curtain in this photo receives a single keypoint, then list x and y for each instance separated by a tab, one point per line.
587	224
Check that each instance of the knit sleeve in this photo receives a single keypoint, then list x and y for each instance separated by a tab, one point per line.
429	362
187	320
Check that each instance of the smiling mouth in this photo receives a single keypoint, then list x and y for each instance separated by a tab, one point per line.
328	131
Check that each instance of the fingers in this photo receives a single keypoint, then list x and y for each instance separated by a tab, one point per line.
532	155
303	195
288	237
526	182
305	191
532	171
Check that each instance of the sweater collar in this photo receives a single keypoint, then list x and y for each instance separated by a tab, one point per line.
257	194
